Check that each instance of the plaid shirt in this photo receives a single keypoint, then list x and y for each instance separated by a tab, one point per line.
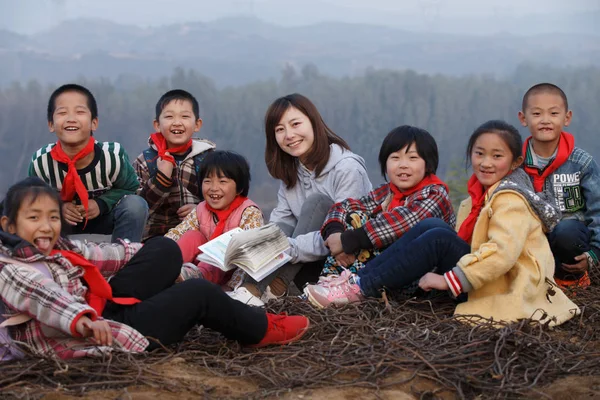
385	226
56	304
164	201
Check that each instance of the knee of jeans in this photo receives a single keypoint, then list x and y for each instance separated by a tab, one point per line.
431	223
316	202
133	206
570	233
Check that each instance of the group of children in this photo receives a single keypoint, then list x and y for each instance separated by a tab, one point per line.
531	224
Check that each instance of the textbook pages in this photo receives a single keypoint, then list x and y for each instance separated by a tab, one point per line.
258	251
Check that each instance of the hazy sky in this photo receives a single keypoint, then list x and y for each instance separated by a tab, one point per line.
29	16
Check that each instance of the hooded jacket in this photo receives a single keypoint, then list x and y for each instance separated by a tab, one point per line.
344	176
509	274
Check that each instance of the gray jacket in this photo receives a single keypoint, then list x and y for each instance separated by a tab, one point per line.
344	176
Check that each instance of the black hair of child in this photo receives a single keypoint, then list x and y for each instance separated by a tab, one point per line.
177	94
27	189
228	164
72	87
405	136
544	87
506	131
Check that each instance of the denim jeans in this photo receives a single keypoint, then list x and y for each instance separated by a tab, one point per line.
125	221
430	245
569	239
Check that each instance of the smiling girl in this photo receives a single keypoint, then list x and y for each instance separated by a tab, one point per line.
500	256
358	230
72	299
225	178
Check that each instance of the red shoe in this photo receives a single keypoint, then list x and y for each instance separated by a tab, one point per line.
283	329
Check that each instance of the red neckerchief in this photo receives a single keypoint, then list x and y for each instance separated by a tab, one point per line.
400	196
99	289
161	146
477	193
222	215
72	183
566	144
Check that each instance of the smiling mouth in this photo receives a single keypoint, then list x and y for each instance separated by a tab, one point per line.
215	197
71	129
177	132
43	243
294	144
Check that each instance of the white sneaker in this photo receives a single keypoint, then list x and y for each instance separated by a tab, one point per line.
242	294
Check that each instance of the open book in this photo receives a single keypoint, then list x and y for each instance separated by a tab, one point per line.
258	251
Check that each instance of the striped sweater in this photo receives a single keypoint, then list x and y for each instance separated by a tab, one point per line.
107	178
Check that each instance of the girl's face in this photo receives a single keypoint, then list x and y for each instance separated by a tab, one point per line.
294	133
218	190
492	159
38	222
405	169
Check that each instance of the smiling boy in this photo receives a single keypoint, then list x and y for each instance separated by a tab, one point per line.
168	169
96	180
568	173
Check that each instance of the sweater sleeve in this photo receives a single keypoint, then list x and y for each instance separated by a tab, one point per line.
190	222
108	257
126	182
252	218
509	227
282	213
32	293
154	189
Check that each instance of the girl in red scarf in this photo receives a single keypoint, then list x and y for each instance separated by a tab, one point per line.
358	230
225	178
500	255
95	298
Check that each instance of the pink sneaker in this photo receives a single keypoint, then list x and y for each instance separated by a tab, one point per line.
339	291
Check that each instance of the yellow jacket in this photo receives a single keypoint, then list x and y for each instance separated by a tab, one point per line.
510	268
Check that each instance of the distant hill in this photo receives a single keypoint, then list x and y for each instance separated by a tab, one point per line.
235	51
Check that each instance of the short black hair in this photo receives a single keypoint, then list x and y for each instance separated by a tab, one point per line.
29	188
228	164
404	136
177	94
506	131
544	88
72	87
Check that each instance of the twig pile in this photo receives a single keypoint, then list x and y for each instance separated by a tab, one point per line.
363	345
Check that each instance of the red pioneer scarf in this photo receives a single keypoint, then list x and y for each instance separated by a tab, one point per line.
400	196
566	144
222	215
161	146
477	193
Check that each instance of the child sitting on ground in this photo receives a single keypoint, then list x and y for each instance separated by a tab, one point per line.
500	256
571	175
225	178
168	169
95	179
62	304
358	230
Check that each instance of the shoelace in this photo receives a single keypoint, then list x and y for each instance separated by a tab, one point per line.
276	321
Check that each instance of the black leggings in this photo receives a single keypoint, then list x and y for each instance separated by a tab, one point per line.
168	311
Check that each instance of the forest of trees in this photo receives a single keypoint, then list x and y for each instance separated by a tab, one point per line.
361	109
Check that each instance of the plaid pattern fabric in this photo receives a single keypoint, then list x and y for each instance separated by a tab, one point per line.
385	226
164	201
354	220
56	304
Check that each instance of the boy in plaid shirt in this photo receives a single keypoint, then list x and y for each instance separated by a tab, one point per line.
168	169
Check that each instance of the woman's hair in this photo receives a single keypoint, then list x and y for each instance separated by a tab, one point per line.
28	189
280	164
504	130
228	164
405	136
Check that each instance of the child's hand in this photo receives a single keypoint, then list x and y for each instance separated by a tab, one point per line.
183	211
164	166
581	266
433	281
71	213
100	330
334	243
345	260
93	210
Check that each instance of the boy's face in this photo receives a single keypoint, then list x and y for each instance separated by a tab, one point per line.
72	119
177	122
545	115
